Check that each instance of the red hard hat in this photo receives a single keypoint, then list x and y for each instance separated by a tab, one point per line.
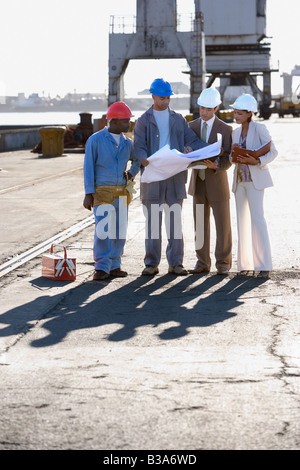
119	110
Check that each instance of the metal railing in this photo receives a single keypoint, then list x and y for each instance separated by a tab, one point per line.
185	22
126	24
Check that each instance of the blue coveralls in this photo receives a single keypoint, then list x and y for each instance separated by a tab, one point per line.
104	165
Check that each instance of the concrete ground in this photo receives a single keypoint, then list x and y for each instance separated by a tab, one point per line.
195	362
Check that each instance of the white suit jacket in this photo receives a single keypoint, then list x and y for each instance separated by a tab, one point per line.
257	136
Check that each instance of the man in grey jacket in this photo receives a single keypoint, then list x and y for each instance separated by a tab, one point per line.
157	127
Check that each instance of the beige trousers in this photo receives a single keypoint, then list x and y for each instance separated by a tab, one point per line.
221	214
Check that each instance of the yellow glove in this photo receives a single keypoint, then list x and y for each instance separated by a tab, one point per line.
130	186
130	189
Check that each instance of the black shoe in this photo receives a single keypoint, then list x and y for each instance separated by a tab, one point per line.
264	274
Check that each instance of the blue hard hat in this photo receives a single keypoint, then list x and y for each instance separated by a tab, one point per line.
161	88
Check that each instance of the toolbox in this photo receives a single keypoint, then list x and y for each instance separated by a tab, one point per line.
57	267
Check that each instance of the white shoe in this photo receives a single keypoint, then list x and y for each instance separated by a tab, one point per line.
179	270
150	271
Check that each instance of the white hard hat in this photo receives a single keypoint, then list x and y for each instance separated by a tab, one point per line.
209	98
245	102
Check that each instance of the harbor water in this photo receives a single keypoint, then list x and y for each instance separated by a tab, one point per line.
56	118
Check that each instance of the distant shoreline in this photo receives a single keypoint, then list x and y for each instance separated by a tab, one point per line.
19	120
138	104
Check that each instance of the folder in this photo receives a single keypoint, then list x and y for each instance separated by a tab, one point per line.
239	152
198	162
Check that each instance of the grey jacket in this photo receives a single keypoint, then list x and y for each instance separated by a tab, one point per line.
146	142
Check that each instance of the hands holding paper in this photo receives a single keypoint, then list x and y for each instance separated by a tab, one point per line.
166	162
210	164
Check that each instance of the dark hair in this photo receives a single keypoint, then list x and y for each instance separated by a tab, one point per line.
250	117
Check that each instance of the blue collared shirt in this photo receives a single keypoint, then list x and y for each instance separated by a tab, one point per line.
105	161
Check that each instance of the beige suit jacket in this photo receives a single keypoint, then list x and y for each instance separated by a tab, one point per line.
216	181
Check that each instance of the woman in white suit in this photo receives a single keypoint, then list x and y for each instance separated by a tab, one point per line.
251	176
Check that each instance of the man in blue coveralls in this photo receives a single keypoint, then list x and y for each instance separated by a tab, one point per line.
108	189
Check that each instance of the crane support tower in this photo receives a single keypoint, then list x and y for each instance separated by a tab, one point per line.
225	40
289	102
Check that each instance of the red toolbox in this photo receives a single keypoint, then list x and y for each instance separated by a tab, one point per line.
57	267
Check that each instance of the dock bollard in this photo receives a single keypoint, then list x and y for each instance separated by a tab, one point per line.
52	140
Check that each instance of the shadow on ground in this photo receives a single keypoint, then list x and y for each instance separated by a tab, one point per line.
192	301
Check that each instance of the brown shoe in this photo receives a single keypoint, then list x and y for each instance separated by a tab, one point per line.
118	273
199	270
223	271
100	275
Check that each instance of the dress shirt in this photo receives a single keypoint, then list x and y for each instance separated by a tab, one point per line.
209	123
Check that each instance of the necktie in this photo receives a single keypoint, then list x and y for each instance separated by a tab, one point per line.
201	173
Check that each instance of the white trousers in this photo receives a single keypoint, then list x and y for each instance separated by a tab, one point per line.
254	249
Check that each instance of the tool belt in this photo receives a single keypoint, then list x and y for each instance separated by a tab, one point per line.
108	195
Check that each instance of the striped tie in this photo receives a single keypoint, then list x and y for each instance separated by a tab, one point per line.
201	173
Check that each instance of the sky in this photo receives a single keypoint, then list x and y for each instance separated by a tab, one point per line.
53	47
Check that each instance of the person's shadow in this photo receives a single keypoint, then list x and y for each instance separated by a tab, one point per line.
193	302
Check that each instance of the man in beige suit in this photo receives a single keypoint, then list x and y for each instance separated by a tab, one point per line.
210	186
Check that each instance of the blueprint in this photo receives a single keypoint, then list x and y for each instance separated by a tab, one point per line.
166	162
